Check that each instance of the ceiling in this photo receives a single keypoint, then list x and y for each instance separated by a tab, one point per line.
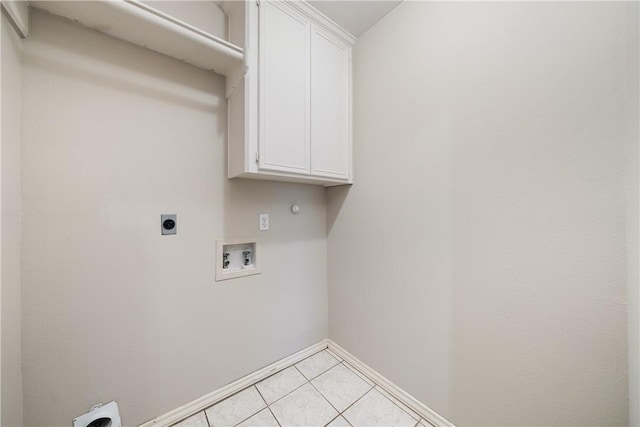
355	16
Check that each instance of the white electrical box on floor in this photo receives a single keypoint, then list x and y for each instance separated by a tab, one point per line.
237	257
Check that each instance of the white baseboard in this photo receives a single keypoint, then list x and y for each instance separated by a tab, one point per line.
414	404
214	397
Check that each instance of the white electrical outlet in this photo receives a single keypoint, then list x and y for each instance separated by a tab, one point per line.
263	222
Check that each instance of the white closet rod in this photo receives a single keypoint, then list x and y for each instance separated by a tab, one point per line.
156	17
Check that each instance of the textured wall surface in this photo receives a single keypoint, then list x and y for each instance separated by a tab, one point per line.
10	227
479	259
633	253
113	137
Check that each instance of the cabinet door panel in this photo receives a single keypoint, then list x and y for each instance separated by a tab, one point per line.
330	105
284	89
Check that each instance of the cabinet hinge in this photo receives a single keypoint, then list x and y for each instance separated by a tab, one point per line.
258	157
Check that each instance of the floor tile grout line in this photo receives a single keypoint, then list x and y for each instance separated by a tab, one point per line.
274	416
332	420
339	360
257	388
336	417
249	417
378	386
300	372
275	373
260	394
331	352
311	355
371	387
265	402
358	371
280	398
241	421
226	398
266	378
325	349
326	370
358	374
301	385
324	397
356	401
369	391
323	372
391	399
283	369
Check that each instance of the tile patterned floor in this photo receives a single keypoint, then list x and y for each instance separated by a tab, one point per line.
321	390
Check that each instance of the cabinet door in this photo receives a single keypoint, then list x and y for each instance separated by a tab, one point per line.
330	106
284	62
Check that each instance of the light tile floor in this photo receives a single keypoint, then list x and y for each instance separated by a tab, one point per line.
321	390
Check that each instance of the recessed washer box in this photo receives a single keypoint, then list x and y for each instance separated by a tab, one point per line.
237	257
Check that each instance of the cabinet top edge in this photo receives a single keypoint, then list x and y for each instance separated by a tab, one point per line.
321	19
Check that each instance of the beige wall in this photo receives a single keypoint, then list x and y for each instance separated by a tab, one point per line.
479	260
633	269
114	136
10	373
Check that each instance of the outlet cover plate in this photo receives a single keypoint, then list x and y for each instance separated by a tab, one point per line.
263	222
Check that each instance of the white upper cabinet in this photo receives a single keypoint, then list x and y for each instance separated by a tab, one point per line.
284	89
290	114
330	106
